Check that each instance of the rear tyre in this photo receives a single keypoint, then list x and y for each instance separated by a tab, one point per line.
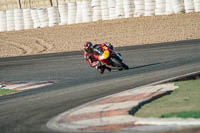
116	62
126	67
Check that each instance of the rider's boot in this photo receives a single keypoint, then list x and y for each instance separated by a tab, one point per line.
101	69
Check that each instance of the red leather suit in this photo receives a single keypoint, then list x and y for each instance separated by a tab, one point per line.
92	58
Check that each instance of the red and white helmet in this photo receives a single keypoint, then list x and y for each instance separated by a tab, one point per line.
109	45
88	47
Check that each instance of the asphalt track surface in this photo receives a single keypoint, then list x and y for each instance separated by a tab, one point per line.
76	83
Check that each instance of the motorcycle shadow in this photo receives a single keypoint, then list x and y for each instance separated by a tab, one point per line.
113	69
153	64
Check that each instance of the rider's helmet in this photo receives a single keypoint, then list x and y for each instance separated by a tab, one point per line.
109	45
88	47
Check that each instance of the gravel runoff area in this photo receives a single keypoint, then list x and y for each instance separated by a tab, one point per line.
120	32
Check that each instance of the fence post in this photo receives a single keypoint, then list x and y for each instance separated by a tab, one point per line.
51	2
57	3
6	4
29	3
19	4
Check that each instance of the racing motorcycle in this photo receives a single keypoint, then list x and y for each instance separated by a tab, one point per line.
113	60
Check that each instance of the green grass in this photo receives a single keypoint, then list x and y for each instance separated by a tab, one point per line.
6	92
184	101
189	114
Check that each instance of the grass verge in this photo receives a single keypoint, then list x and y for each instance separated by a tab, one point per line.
183	102
6	92
189	114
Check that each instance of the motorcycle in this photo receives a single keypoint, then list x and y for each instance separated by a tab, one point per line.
114	60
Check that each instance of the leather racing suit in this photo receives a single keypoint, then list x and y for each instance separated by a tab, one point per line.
95	59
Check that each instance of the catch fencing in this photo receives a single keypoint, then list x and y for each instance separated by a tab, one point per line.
28	14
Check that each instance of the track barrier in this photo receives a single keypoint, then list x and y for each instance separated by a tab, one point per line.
82	11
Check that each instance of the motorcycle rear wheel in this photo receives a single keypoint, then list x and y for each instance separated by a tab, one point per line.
116	62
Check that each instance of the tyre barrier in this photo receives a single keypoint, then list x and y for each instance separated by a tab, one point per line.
43	17
149	6
160	7
96	7
35	18
19	19
104	10
111	6
177	6
71	13
197	5
79	12
119	9
10	20
87	11
139	8
82	11
168	9
189	6
63	11
28	22
3	22
53	16
128	8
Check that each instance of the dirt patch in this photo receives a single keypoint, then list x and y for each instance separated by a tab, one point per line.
121	32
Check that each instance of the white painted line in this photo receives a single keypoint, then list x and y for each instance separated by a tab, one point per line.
169	121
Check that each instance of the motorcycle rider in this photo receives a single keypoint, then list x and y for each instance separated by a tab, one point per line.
93	55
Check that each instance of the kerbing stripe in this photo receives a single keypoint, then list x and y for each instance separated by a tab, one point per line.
106	120
147	89
134	97
105	107
110	113
113	127
25	85
13	83
94	115
14	86
32	85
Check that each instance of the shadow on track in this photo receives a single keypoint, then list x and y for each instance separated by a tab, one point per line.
153	64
